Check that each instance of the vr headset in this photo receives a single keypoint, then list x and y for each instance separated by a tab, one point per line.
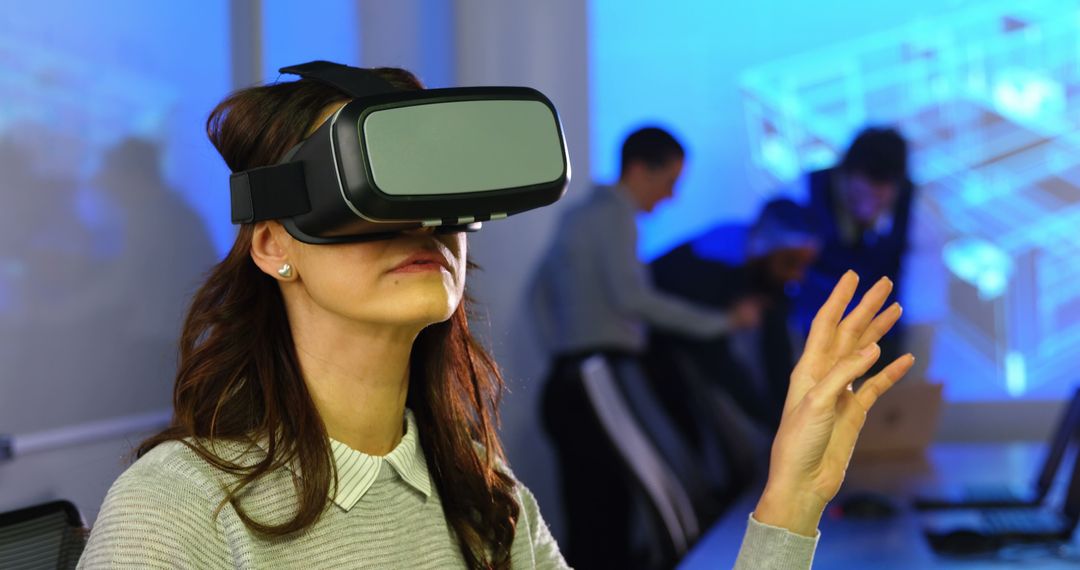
393	160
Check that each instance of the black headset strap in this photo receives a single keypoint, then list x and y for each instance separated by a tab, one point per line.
354	81
268	193
279	191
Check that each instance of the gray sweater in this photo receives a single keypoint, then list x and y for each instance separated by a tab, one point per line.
592	292
385	514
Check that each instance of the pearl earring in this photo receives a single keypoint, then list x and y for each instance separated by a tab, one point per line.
286	271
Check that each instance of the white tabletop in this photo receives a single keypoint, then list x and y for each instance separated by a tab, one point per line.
897	542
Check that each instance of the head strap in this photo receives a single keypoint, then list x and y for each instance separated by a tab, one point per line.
355	82
272	192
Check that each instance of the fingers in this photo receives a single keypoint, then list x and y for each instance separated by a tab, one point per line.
873	388
823	327
852	328
851	418
881	325
847	370
852	409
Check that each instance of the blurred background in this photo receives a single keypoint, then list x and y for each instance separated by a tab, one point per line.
115	202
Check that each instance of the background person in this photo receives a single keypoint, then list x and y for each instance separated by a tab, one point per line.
864	207
764	262
594	296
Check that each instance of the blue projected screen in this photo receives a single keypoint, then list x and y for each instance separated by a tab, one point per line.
988	94
115	202
294	33
78	81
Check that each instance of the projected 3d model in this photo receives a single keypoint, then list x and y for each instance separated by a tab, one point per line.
989	98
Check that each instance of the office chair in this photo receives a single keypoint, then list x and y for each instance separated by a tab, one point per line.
47	536
668	501
728	430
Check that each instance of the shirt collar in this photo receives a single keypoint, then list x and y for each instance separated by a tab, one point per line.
357	471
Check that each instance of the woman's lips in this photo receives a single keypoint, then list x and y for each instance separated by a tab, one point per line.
418	268
422	262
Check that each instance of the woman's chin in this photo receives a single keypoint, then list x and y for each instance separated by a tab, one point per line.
425	307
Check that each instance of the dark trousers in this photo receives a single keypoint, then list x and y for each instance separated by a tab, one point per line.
595	491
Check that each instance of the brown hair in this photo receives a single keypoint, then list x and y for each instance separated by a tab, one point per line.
239	378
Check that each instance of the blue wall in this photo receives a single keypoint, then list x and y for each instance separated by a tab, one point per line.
296	32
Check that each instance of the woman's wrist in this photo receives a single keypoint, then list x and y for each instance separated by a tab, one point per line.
798	512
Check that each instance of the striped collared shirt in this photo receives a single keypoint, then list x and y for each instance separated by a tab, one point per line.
357	471
167	511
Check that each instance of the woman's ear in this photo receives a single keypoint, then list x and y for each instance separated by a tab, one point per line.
270	252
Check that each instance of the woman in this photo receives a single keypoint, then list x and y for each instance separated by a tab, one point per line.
333	410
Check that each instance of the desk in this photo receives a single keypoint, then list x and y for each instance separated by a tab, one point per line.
895	543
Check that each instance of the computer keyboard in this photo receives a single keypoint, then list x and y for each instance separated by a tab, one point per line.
991	493
1021	521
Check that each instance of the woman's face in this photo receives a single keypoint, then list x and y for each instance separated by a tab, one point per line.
412	280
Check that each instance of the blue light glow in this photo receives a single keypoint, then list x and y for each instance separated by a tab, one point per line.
981	265
1015	374
985	92
1028	95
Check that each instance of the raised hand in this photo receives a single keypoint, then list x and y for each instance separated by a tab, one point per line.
822	414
